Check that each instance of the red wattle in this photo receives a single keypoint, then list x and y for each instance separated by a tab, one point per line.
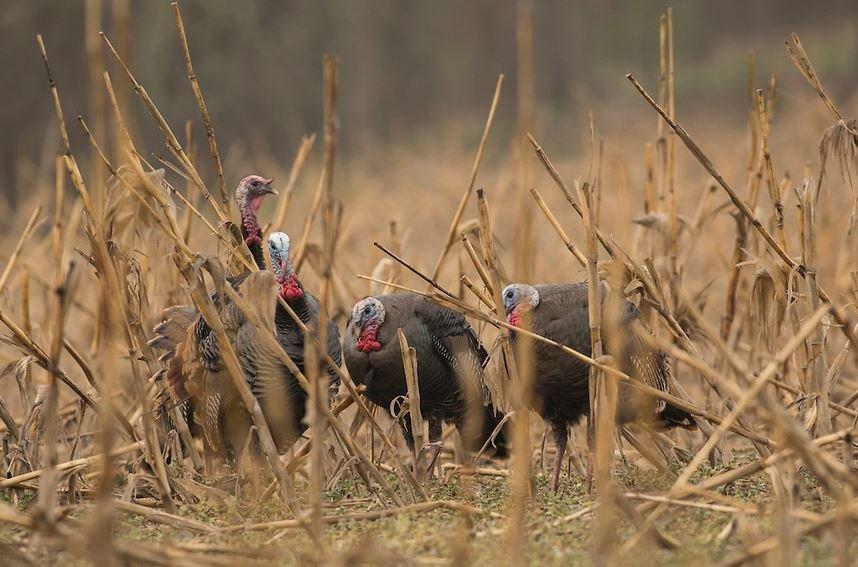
367	341
290	289
292	292
514	318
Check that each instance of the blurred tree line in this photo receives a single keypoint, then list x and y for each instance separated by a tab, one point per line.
408	66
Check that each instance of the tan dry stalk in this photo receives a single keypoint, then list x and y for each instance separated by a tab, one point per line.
478	293
492	265
97	110
603	399
294	172
201	103
55	96
31	225
122	134
662	99
650	202
190	143
301	251
409	363
818	387
460	209
317	375
48	488
172	142
123	27
546	210
774	189
753	108
525	255
316	378
70	465
161	517
673	226
415	271
520	487
95	145
478	265
695	150
799	57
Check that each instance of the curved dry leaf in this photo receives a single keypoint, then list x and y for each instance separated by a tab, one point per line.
18	367
841	141
769	297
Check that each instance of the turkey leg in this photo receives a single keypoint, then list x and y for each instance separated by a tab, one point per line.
433	449
561	435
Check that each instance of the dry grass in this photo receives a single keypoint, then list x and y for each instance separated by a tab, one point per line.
753	297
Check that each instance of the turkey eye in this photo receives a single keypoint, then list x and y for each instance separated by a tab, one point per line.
366	309
509	294
254	183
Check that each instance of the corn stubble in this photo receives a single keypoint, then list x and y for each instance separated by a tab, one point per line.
766	369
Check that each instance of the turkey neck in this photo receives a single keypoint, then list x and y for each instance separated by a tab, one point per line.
256	252
249	230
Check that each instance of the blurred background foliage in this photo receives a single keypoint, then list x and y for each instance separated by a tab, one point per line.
412	72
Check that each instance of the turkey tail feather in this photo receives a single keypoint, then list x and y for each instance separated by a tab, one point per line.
672	416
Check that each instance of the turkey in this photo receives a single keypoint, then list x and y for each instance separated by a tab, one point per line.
179	322
560	313
448	352
196	372
289	334
196	378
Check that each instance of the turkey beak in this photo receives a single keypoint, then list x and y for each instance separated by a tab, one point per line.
269	190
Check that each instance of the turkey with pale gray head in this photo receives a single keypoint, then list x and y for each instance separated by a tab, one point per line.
196	372
308	309
450	366
560	312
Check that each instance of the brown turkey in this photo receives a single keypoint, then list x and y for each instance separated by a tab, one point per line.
560	313
180	322
448	352
196	376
